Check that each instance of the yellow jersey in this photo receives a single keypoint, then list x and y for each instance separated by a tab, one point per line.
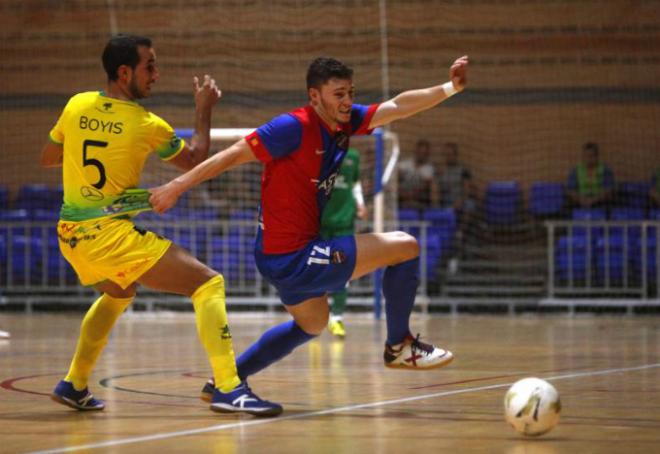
106	142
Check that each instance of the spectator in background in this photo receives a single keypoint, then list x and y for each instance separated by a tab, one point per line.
655	189
590	183
457	191
417	186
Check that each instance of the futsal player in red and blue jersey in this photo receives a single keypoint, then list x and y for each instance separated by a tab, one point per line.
301	152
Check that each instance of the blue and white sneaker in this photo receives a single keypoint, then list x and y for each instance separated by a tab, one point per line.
243	400
208	390
64	393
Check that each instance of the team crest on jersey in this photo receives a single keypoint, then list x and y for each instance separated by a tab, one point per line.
91	194
174	142
338	257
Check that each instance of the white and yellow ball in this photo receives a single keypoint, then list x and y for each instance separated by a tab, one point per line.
532	406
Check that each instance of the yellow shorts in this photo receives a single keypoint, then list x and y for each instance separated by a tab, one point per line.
109	249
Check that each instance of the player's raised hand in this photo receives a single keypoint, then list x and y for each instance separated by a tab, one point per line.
206	94
458	73
163	197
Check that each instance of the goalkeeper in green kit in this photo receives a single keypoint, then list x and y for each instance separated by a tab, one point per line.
338	219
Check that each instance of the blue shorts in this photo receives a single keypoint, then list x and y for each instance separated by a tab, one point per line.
320	267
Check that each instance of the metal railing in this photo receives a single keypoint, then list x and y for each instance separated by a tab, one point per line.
32	268
603	259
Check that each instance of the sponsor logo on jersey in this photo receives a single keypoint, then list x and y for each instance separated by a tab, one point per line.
91	194
327	184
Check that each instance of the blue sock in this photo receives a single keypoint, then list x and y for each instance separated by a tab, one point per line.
400	287
272	346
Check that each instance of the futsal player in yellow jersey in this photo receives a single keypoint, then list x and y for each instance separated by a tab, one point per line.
101	141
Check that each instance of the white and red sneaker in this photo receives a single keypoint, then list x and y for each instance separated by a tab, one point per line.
416	355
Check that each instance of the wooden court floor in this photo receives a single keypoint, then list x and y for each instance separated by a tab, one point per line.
338	397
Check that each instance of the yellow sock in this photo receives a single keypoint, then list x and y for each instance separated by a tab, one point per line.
213	330
94	333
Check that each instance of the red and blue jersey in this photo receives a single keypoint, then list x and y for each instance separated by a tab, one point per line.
302	157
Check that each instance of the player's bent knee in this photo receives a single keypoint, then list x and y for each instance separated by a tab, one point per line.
215	280
408	246
314	326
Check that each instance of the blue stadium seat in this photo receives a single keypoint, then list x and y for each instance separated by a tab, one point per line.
589	214
441	217
651	255
620	245
245	227
408	214
408	218
243	215
26	258
546	199
4	197
654	214
15	216
634	194
627	214
233	257
502	202
56	197
571	258
34	197
610	258
443	225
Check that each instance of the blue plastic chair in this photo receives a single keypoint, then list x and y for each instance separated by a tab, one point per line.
443	224
546	199
408	217
634	194
502	202
4	197
34	197
571	258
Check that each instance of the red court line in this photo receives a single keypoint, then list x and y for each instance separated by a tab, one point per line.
9	385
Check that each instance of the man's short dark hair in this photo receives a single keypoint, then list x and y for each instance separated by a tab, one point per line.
122	50
591	146
323	69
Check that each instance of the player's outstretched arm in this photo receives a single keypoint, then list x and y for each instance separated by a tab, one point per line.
206	96
164	197
413	101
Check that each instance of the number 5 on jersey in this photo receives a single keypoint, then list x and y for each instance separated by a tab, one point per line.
95	162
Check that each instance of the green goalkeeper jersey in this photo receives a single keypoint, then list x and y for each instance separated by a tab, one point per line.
339	211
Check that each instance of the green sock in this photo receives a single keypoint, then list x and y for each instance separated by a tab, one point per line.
338	305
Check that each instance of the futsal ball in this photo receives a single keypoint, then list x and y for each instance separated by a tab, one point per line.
532	406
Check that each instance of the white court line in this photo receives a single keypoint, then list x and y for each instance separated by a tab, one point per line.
258	422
